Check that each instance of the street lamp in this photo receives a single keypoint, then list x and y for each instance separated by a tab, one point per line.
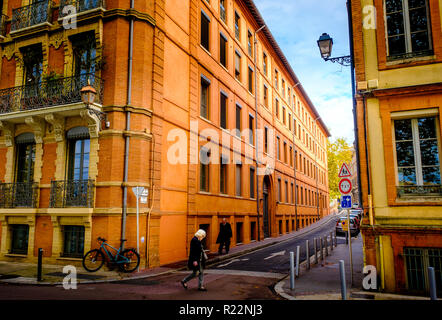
88	94
325	44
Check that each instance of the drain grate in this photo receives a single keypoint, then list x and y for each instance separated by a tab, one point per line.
79	275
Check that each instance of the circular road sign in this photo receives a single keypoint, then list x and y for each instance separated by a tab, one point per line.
345	186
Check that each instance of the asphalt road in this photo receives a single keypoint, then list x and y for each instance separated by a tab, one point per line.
248	277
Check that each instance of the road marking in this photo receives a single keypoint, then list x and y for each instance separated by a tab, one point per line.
270	275
232	261
280	253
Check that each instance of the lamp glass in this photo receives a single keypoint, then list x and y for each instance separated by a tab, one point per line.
325	44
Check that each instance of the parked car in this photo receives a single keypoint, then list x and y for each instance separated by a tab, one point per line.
356	217
354	226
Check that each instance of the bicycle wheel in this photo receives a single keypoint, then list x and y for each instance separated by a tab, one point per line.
132	260
93	260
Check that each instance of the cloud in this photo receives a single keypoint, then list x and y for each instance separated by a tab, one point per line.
296	26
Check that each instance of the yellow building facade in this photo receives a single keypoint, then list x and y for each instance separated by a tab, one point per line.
398	61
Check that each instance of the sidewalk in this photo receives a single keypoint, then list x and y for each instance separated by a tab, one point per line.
26	273
322	281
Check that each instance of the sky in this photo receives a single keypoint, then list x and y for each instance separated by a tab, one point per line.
297	25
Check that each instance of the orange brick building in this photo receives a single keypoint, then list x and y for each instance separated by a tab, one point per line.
398	61
165	72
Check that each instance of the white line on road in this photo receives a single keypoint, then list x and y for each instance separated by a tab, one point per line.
232	261
280	253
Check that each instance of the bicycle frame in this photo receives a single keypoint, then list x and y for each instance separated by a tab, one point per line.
109	254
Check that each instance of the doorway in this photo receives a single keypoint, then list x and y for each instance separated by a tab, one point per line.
266	197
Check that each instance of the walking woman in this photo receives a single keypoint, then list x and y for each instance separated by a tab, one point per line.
197	260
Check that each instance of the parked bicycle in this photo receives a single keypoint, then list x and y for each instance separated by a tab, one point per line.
127	261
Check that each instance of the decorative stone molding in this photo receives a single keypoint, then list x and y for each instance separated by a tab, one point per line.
56	40
38	125
8	132
92	121
58	123
9	51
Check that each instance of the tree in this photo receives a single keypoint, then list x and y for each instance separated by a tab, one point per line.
338	152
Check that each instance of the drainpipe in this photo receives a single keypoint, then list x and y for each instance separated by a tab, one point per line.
370	197
317	169
127	138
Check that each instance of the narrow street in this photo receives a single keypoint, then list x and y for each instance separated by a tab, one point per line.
248	277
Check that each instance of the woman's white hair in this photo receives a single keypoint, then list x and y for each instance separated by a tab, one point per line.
200	233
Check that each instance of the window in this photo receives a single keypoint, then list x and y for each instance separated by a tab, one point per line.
264	63
251	130
253	231
239	232
291	193
78	152
286	191
417	155
250	43
408	28
223	175
73	244
250	80
276	79
266	139
283	116
277	108
285	152
222	10
237	25
252	182
223	110
289	95
204	169
279	190
25	159
291	156
85	55
32	66
290	121
417	261
237	66
283	88
238	121
19	238
223	50
302	196
278	142
205	30
204	108
238	169
266	96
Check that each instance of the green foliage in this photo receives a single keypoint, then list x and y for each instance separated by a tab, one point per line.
338	152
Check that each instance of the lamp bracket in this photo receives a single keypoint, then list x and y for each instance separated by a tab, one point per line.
344	60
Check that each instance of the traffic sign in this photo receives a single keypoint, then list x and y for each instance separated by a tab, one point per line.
346	202
345	186
344	225
344	172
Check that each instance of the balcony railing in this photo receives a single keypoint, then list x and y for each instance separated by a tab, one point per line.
48	93
31	15
72	193
419	191
19	194
3	19
79	5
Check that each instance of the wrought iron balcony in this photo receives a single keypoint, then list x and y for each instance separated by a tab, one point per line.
48	93
72	193
79	5
3	19
419	191
19	194
31	15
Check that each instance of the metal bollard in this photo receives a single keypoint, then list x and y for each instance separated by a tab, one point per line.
315	248
39	264
432	281
307	254
321	250
331	241
336	240
298	252
326	246
343	284
292	270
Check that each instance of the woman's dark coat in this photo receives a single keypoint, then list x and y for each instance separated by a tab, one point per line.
196	254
